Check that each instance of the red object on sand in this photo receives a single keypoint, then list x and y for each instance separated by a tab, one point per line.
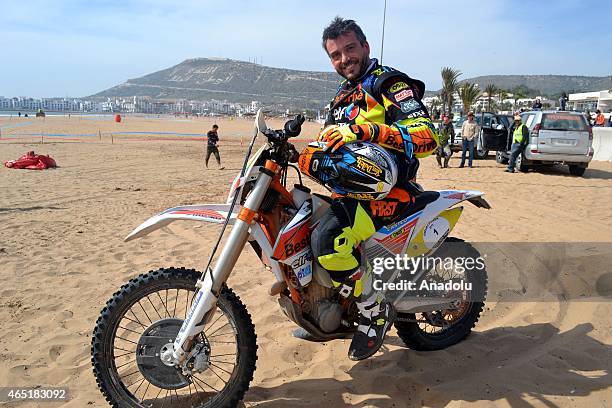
117	118
31	161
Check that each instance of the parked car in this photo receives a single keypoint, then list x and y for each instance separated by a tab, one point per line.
555	137
485	120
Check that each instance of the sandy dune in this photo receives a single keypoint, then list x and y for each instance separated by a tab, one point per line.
62	256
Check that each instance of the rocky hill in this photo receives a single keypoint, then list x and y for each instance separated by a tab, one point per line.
546	85
239	81
234	81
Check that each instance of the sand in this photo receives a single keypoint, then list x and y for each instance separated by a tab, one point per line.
62	256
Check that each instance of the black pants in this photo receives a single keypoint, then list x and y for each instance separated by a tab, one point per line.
349	222
440	154
212	150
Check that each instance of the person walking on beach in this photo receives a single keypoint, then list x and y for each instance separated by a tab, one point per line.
469	131
212	146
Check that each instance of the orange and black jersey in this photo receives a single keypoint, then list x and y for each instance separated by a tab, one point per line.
384	106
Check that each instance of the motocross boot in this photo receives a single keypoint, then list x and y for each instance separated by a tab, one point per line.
375	317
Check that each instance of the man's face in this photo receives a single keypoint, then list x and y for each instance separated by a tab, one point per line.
446	119
470	118
349	58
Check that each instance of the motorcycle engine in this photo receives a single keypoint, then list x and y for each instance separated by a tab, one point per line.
326	312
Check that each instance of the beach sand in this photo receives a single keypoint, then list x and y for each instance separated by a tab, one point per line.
62	256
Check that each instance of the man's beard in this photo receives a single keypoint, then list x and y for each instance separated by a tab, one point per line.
363	65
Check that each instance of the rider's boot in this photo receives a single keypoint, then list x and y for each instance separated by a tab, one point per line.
375	317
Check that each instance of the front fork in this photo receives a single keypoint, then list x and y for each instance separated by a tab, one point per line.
210	286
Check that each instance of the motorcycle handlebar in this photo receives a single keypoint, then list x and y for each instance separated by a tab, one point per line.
294	127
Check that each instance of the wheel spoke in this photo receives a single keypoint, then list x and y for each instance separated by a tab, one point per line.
222	334
154	308
162	302
124	364
221	368
186	305
215	373
223	355
135	321
145	392
129	341
204	382
221	342
130	330
144	311
216	330
210	326
132	373
175	301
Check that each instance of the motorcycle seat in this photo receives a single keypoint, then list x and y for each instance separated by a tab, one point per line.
420	201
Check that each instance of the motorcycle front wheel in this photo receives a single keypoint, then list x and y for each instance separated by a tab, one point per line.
143	317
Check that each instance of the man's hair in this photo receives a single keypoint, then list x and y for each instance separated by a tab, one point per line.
340	26
215	127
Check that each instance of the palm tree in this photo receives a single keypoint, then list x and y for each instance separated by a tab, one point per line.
490	90
502	95
518	94
449	87
435	102
468	93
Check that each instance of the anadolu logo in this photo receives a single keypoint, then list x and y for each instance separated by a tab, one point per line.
352	111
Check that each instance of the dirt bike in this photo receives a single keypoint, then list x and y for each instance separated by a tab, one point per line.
179	337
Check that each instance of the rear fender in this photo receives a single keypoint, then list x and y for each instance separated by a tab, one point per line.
212	213
438	219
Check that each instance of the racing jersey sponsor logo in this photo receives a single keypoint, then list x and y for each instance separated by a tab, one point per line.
405	94
416	114
352	97
339	113
361	196
398	86
410	106
392	141
352	111
383	209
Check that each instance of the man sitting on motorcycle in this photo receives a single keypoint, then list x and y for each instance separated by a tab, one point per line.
381	105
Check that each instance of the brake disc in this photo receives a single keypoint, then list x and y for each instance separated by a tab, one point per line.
157	339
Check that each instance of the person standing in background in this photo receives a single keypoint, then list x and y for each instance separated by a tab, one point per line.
600	119
537	104
446	133
520	138
212	146
562	101
469	131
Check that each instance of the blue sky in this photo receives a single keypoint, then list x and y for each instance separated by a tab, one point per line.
76	48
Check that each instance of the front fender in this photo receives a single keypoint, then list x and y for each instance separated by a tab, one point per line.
214	213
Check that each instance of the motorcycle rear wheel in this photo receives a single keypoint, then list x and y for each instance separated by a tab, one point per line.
444	328
118	346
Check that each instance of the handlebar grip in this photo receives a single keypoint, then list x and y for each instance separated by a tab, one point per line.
294	127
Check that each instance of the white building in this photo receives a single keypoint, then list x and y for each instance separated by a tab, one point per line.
591	101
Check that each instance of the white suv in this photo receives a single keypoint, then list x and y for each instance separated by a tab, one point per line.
555	137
